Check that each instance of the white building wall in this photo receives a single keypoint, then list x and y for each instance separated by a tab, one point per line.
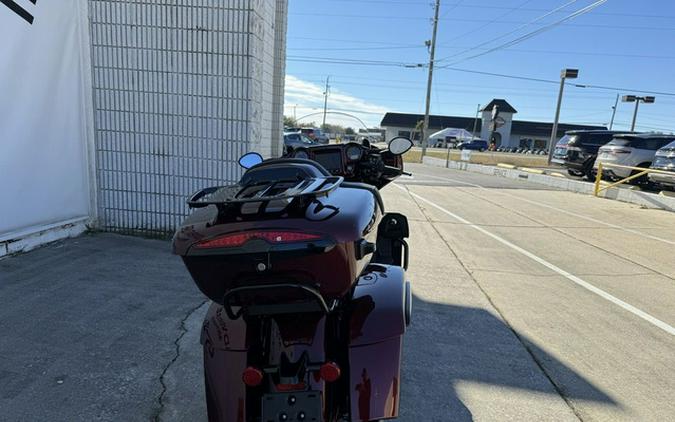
44	167
279	74
181	90
504	130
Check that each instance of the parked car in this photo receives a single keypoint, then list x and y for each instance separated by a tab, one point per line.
635	150
476	144
315	134
295	140
664	160
578	149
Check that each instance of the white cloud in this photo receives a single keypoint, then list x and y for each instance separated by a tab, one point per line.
303	98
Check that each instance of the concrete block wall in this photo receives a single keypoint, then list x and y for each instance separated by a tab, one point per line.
180	91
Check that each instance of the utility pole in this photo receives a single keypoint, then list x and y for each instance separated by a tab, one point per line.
425	128
325	101
616	104
475	122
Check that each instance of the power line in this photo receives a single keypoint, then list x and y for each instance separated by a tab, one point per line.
395	46
533	21
529	35
332	60
357	48
490	22
493	7
329	60
349	41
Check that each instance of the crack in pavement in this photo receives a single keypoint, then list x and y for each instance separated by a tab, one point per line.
183	331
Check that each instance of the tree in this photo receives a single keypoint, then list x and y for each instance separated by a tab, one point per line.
330	128
349	131
289	121
418	128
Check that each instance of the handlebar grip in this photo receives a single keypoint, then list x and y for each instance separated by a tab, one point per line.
398	170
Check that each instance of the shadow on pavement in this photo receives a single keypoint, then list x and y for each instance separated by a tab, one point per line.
447	344
88	325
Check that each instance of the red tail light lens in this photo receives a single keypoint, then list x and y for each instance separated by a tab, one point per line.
234	240
252	377
330	371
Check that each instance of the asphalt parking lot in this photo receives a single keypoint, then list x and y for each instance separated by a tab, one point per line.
530	304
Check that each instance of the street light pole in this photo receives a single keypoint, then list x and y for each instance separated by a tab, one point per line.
632	125
475	123
616	103
565	73
634	98
425	127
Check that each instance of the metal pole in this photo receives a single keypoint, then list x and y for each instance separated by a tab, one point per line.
325	102
425	128
637	104
295	116
616	103
475	122
554	131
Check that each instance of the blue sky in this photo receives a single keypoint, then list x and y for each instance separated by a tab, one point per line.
622	43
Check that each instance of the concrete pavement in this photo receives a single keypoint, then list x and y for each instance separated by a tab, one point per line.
607	362
106	327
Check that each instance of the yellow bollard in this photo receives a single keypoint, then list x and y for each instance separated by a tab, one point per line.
598	178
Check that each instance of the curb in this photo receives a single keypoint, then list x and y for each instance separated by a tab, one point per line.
533	171
644	199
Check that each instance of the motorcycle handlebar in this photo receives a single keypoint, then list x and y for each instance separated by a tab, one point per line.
398	170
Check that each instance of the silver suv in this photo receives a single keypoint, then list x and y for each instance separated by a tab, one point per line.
665	161
634	150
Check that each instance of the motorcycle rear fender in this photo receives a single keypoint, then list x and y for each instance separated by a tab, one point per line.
222	333
380	314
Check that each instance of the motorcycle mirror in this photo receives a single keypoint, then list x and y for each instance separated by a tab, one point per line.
400	145
250	159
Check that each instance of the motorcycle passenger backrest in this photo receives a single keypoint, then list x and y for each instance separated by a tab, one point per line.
391	232
393	226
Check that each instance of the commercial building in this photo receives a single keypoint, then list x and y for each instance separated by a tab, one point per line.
114	111
513	133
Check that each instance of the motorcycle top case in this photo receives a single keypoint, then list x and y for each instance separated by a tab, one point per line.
319	242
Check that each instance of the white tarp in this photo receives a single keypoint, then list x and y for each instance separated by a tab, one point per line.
452	132
43	149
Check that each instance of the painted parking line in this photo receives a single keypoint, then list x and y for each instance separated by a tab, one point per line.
551	207
578	281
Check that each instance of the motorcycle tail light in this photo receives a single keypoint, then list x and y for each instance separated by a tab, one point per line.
234	240
330	371
252	377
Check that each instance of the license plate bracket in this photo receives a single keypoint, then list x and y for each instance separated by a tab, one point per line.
297	406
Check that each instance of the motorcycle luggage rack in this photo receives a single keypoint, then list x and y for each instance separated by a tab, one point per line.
315	302
264	192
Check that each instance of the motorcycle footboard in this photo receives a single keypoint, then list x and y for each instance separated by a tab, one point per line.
297	406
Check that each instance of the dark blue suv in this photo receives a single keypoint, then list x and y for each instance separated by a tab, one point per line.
476	144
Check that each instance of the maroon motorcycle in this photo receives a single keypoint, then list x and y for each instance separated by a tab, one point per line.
307	275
